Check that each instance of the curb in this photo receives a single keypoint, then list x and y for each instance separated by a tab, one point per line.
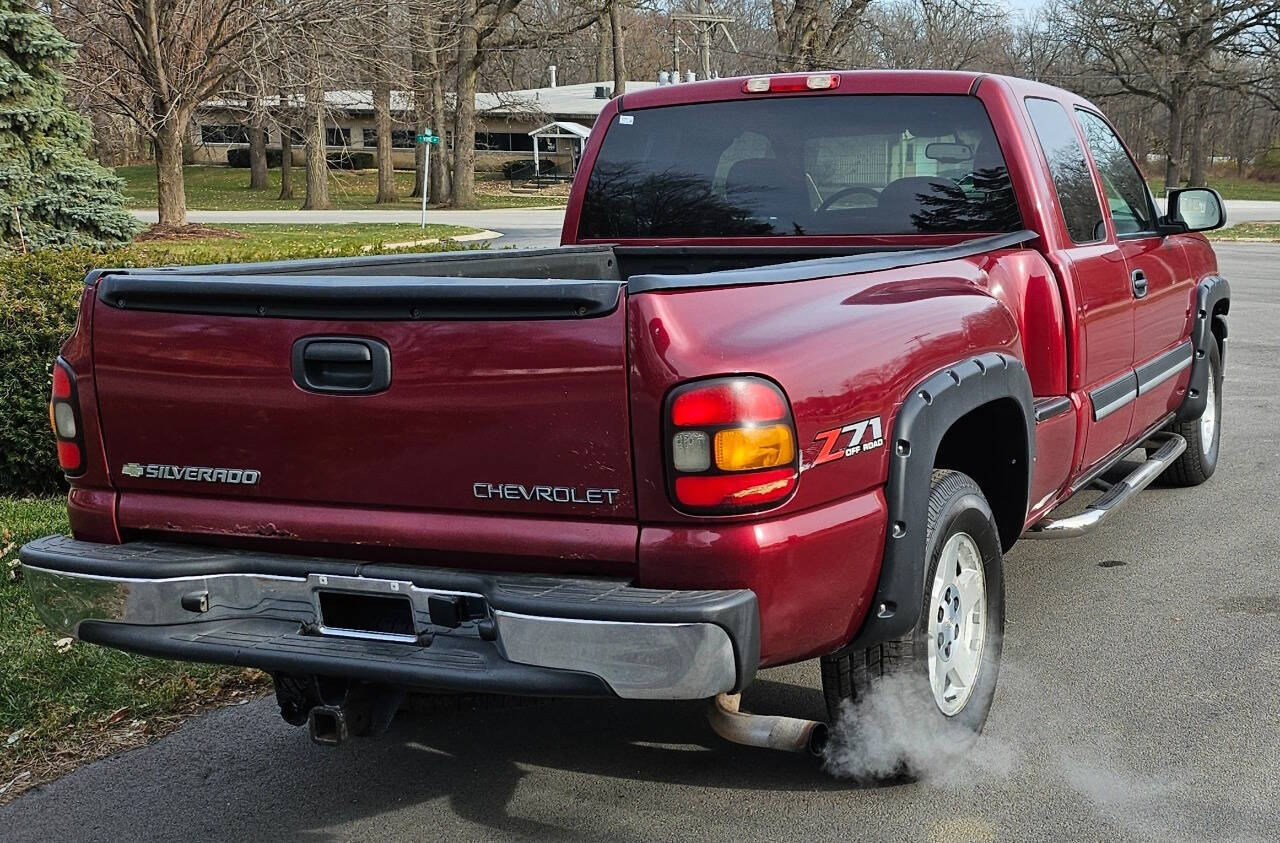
483	234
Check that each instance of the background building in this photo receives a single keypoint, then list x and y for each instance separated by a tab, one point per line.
504	121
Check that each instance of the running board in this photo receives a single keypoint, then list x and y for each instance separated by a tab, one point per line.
1171	447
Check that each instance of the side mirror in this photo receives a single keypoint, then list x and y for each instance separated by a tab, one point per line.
1194	209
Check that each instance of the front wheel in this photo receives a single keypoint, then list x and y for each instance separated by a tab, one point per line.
940	677
1204	435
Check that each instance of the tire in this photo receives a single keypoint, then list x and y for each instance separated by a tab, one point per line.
1204	435
960	524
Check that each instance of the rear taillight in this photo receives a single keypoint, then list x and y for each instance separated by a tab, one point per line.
64	418
731	445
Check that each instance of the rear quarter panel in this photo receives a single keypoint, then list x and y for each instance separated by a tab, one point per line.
843	349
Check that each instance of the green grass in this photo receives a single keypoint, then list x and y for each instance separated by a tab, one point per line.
218	188
1248	231
1231	187
262	241
62	705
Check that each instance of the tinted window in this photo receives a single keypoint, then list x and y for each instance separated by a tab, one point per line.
1072	179
802	165
1127	195
400	138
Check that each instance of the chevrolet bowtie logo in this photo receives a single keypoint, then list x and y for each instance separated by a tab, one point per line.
131	469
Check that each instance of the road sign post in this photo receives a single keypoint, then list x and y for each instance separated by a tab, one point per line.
430	139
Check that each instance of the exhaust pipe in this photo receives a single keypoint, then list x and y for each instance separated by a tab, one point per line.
790	734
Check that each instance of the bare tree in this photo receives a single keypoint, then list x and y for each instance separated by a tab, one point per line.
485	25
812	34
619	46
382	124
937	34
257	127
1167	51
433	48
155	61
315	111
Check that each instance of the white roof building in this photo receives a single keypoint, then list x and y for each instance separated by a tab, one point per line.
552	122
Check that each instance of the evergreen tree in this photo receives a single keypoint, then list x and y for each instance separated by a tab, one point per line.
51	193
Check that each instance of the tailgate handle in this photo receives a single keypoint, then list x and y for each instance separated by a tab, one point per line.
343	365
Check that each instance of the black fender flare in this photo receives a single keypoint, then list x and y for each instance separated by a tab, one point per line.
1210	292
927	413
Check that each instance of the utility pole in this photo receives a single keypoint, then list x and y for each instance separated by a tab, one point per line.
704	25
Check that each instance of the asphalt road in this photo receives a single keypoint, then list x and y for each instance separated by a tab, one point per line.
1138	700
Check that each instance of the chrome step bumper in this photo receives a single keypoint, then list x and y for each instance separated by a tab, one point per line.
1170	448
471	631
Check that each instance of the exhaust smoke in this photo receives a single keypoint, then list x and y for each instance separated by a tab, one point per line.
898	733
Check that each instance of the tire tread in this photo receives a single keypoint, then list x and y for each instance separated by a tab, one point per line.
849	676
1191	468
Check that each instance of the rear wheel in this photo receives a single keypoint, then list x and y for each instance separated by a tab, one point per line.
946	668
1204	435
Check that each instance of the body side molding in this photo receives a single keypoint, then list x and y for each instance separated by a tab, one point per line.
1113	395
1155	372
1048	408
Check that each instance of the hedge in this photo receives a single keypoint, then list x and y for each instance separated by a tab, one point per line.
349	160
523	168
238	156
39	297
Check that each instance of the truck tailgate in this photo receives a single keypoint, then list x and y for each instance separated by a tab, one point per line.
505	397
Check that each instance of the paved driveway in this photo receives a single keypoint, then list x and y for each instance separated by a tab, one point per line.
1138	700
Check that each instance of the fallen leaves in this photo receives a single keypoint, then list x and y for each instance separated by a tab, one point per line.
64	644
32	757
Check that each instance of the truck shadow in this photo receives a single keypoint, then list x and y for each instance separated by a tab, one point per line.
553	768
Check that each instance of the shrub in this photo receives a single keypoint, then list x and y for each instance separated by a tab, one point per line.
39	294
1266	167
523	169
238	156
349	160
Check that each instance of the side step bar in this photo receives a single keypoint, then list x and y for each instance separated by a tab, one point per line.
1171	447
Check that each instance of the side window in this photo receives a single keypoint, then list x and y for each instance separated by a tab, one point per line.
1127	195
1077	194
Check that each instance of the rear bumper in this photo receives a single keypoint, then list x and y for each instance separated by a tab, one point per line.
533	635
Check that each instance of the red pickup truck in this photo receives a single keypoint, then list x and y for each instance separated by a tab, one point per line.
817	350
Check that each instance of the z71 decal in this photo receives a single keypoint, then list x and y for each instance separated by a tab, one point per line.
867	436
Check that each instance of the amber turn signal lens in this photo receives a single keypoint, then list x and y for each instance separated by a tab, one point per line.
746	448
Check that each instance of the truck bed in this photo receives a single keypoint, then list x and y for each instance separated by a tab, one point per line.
641	268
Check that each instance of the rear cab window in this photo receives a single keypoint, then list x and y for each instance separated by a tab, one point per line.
829	165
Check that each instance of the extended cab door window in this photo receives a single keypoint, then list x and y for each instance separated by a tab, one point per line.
1072	181
1095	266
1159	274
1127	197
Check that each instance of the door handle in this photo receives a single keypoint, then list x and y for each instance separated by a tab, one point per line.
344	365
1139	280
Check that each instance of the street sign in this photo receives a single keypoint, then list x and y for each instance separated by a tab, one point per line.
427	138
